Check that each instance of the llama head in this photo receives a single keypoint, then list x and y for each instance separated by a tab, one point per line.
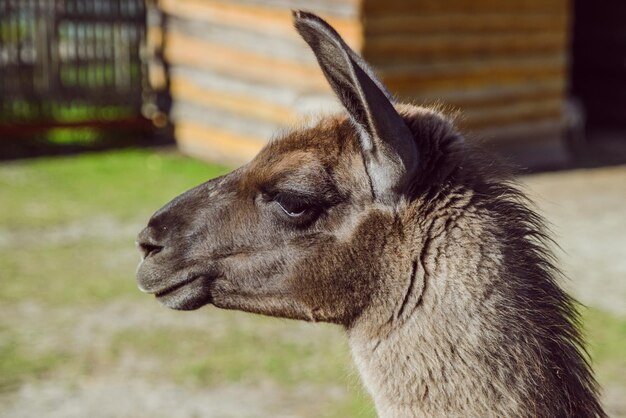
312	226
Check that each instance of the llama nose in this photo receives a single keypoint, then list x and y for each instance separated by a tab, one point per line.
147	244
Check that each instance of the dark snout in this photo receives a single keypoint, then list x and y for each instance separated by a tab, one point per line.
163	226
147	244
174	265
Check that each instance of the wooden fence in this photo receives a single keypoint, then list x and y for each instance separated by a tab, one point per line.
71	63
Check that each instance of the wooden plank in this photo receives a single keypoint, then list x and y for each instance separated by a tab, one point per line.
346	8
238	124
455	21
474	126
188	51
274	92
476	118
490	95
283	105
479	102
371	7
416	86
185	90
475	74
398	48
522	133
460	101
258	18
216	144
281	47
276	97
488	66
476	114
155	36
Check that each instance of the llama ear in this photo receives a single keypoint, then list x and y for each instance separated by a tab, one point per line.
387	144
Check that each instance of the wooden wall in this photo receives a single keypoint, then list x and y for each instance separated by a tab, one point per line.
239	72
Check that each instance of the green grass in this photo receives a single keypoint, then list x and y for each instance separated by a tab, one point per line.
78	273
20	361
70	254
607	345
319	356
123	185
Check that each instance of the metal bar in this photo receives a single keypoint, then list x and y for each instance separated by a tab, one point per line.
59	54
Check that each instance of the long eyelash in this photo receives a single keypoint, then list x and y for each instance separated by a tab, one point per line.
295	199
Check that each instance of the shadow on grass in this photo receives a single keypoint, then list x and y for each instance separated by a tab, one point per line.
68	141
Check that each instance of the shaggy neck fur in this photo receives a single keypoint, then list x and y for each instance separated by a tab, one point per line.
477	326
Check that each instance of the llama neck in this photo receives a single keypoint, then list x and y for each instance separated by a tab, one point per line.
417	372
428	359
467	337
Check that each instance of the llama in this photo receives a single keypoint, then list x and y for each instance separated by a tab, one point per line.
384	220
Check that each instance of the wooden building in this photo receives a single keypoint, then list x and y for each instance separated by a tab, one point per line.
237	71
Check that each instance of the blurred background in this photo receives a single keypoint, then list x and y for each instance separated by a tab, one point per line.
109	108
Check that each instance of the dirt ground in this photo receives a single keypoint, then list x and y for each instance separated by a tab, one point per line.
586	210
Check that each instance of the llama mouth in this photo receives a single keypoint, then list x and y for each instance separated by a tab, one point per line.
175	287
189	294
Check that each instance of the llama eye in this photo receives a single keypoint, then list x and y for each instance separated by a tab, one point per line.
291	205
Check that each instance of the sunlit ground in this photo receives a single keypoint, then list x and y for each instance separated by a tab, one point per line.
77	337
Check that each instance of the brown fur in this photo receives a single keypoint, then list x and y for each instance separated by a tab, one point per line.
445	287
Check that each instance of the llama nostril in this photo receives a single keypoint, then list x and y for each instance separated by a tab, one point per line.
150	249
147	243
